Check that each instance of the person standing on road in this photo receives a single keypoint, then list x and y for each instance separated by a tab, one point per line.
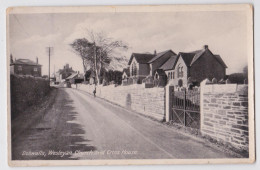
94	92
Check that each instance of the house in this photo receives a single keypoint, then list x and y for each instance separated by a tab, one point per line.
142	65
194	67
75	78
126	73
62	74
25	67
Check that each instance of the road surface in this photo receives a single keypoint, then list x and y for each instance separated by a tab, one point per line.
80	126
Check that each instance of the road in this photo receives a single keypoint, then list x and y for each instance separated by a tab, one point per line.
80	126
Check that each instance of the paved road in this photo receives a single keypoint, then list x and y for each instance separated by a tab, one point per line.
83	127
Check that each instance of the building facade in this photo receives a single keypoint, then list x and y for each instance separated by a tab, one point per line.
25	67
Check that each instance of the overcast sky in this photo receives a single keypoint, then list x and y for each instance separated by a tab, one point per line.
224	32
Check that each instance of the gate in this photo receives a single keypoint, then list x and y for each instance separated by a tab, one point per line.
186	108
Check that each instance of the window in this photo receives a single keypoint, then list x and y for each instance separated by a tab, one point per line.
169	75
172	75
180	71
134	69
20	68
35	69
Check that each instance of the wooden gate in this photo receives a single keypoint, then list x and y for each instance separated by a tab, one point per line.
186	108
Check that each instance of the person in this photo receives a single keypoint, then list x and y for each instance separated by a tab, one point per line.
94	92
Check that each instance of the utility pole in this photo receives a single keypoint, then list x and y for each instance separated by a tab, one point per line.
49	53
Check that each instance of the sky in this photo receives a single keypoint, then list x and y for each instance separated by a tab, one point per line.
224	32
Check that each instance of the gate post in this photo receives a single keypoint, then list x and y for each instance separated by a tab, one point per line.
168	101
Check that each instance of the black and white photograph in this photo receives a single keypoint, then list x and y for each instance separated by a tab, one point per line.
130	85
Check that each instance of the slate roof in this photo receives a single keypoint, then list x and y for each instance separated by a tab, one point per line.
169	64
72	76
220	60
192	57
25	62
141	58
158	55
77	75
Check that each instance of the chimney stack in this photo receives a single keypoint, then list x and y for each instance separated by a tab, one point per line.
155	52
36	60
206	47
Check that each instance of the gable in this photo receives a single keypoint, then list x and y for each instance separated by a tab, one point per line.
209	57
140	58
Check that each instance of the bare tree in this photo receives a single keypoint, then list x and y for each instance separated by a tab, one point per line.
98	51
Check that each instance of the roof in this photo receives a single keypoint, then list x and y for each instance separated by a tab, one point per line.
169	64
160	72
191	57
141	58
188	57
72	76
158	55
127	71
25	62
220	60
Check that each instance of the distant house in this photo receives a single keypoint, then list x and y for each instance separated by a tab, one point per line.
142	65
193	67
25	67
126	73
75	78
62	74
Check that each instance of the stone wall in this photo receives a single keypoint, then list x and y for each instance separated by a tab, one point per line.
224	113
148	101
25	92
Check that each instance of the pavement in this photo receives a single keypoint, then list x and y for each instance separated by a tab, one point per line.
78	125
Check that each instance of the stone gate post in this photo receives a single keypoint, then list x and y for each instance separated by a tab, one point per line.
168	101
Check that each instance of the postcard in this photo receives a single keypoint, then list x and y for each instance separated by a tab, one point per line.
130	85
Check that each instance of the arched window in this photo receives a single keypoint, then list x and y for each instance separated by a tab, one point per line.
180	71
132	71
135	69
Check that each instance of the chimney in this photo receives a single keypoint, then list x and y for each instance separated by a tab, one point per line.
36	60
155	52
206	47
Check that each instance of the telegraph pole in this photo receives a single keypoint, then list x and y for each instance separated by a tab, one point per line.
49	53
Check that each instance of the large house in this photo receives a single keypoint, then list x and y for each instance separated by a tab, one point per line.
25	67
181	70
142	65
194	67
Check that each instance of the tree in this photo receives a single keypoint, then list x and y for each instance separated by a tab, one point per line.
98	51
245	71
